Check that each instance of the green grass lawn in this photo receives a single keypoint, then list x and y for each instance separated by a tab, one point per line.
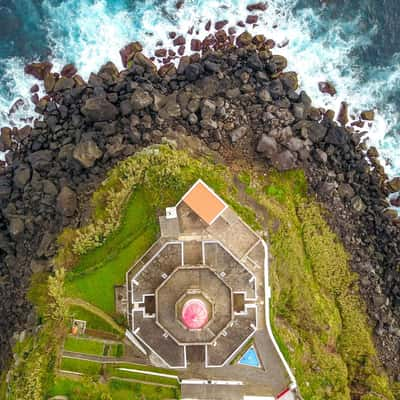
117	389
121	390
92	320
142	377
82	366
116	350
93	279
82	345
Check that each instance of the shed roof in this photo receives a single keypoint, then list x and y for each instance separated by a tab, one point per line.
204	202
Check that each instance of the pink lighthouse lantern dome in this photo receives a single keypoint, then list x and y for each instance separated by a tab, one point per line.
194	314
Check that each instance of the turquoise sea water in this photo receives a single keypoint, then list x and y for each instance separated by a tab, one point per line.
324	44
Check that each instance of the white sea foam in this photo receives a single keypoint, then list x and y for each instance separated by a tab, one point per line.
91	32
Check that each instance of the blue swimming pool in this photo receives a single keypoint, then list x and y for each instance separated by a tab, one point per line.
250	358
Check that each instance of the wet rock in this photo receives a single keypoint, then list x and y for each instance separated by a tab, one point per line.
160	53
143	61
167	70
279	61
34	88
22	176
283	161
220	24
86	153
343	115
395	201
69	71
244	39
38	70
368	115
67	202
5	139
128	52
326	87
98	109
251	19
49	82
179	41
290	80
207	26
257	6
63	84
195	45
238	133
267	145
394	185
390	213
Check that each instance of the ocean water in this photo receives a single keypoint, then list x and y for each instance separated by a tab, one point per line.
339	43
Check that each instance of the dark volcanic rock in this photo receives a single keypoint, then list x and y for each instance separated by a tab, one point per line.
86	153
69	71
41	160
283	161
99	109
267	145
141	99
38	70
67	202
22	175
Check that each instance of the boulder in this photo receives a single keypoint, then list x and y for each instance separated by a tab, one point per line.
171	108
41	160
290	80
238	133
207	109
192	72
98	109
146	63
69	70
336	136
316	132
251	19
129	51
38	70
357	204
86	153
326	87
280	62
67	202
22	175
16	227
63	84
244	39
267	145
5	139
394	185
195	45
160	53
368	115
141	99
346	191
179	41
220	24
49	82
283	161
257	7
343	114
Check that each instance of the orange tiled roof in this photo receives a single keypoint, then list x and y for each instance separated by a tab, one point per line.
204	202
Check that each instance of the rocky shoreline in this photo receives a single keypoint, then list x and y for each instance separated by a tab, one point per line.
235	95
